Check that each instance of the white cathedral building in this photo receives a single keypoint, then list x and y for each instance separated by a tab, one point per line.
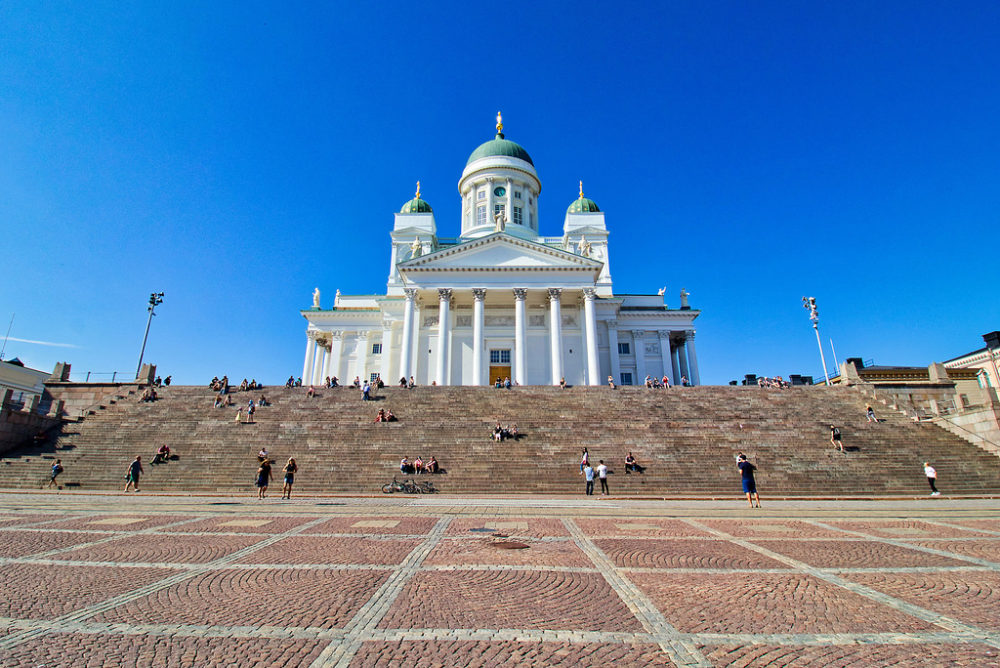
500	300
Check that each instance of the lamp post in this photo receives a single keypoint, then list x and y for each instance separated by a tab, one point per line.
810	304
155	299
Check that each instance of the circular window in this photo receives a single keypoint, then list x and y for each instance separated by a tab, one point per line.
499	192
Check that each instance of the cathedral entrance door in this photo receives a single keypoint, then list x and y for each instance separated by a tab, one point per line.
499	364
499	372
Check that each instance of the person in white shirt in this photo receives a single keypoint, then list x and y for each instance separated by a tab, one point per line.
602	475
931	478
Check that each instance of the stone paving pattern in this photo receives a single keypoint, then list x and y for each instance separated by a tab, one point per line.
180	581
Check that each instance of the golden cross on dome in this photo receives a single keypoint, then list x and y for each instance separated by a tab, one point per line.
418	190
581	189
499	123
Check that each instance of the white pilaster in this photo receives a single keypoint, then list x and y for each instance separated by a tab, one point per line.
510	201
444	344
665	355
593	368
310	356
328	361
478	316
693	359
555	334
385	370
616	366
406	347
639	348
520	336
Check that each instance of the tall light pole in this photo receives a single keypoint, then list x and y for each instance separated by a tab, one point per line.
810	303
155	299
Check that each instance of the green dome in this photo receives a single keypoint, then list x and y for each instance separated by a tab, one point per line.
500	146
416	205
583	205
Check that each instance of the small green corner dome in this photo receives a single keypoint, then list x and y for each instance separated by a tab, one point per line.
416	205
500	146
583	205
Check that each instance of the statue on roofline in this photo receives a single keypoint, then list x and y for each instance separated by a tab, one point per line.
501	221
316	298
684	298
416	248
583	247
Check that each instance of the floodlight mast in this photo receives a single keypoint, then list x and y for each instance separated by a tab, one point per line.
810	304
155	299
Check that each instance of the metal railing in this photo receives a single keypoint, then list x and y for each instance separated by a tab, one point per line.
101	377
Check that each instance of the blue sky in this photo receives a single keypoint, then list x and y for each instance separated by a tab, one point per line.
236	155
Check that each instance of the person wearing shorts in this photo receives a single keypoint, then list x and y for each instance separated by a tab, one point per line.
263	478
133	473
57	468
290	468
835	438
749	484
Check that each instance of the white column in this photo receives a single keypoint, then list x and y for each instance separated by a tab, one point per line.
640	356
593	368
336	352
665	355
510	201
616	366
682	356
310	356
555	334
693	359
406	347
676	365
317	364
478	316
327	361
444	312
520	336
489	200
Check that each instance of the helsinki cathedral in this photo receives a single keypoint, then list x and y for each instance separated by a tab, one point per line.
500	300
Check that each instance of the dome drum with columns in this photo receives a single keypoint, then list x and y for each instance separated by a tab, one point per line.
500	300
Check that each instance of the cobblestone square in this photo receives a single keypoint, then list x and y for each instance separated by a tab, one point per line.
424	582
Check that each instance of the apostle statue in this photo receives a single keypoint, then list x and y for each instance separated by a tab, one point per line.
501	221
583	247
416	248
684	298
316	298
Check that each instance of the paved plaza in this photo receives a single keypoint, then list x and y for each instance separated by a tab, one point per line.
110	580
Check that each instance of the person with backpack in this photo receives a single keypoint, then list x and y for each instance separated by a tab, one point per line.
57	468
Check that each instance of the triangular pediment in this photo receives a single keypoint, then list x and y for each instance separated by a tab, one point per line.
500	251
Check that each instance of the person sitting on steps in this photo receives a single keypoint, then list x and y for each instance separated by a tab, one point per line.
162	455
380	416
632	465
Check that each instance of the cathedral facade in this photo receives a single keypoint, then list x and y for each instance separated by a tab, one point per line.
500	300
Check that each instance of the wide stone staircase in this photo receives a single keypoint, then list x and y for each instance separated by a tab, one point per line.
687	439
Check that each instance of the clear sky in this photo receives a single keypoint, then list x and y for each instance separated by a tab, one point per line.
235	155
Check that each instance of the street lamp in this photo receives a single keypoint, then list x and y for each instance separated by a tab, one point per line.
810	303
155	299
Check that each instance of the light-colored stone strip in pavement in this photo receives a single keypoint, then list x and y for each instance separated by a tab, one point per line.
195	566
534	568
107	539
340	652
943	621
682	652
482	635
82	614
992	565
951	525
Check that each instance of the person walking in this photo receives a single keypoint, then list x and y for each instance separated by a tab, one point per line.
250	411
749	484
931	478
588	474
870	414
133	472
602	475
57	468
835	438
290	468
263	478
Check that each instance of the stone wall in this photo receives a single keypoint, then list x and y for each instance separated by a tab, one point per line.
20	427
